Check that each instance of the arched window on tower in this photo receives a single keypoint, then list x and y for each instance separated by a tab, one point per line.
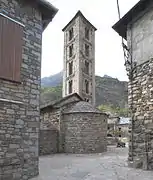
86	67
87	86
71	50
87	50
71	34
70	86
86	99
70	68
87	33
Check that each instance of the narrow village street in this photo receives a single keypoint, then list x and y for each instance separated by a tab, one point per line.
111	165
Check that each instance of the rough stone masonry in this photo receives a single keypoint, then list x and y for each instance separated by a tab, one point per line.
72	125
19	102
137	28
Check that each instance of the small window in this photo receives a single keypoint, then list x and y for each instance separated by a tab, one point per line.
87	86
87	33
71	50
108	128
86	50
70	86
119	129
86	67
71	34
70	68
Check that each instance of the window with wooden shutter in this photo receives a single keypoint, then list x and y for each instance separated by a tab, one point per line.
11	37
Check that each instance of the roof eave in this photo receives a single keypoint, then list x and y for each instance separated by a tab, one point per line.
52	104
47	5
121	26
121	29
48	12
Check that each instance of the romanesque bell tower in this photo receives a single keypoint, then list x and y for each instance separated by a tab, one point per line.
79	58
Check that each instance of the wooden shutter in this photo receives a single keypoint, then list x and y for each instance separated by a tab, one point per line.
11	36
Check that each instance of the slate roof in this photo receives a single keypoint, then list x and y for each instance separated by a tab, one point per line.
83	107
48	11
121	26
124	121
53	103
79	13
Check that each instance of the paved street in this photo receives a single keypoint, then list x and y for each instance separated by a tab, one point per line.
107	166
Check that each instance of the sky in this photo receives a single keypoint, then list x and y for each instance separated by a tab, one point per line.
109	59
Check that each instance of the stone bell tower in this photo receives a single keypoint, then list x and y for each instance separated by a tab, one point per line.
79	58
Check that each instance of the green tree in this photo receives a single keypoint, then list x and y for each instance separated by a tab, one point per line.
114	110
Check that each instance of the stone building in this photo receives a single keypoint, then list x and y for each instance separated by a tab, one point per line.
136	28
123	127
21	26
117	128
51	117
79	58
112	125
72	125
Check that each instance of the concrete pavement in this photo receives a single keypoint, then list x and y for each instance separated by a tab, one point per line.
111	165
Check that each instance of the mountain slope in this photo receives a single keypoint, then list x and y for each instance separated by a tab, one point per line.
52	81
109	91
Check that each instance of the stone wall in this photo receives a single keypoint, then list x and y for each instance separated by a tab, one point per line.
140	32
141	102
48	141
111	141
76	132
50	117
84	132
51	120
19	102
124	132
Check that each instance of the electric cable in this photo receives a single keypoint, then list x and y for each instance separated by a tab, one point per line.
127	54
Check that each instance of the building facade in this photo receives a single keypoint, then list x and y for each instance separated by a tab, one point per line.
21	27
79	58
136	28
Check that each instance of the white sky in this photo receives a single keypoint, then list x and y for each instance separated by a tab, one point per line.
102	14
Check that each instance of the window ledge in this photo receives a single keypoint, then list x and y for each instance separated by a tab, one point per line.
10	101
